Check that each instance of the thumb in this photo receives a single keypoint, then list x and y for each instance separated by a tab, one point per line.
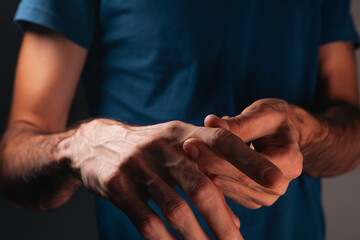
216	122
237	126
247	126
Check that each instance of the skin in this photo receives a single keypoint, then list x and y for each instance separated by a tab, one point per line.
322	144
43	163
129	165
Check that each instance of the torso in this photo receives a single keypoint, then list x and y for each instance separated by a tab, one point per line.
183	59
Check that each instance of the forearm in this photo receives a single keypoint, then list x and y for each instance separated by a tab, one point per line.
330	141
30	176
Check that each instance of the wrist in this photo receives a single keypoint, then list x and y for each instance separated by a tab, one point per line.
64	153
311	128
76	149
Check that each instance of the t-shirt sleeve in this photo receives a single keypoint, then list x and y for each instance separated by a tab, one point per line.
75	19
337	23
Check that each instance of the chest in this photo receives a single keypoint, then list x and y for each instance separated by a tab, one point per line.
192	24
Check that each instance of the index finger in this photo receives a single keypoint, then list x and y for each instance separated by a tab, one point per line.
230	147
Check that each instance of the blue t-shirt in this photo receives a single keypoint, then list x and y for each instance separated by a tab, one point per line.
155	61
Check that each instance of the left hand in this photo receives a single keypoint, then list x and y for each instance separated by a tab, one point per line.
271	127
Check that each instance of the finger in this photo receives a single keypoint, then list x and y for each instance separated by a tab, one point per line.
242	200
176	211
231	180
212	164
146	221
218	168
248	125
204	195
216	122
236	219
231	148
194	153
244	192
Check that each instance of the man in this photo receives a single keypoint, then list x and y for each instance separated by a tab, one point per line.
153	62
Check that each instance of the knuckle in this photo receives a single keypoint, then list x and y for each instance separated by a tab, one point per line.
174	126
268	104
203	190
296	158
152	145
216	180
147	226
272	106
176	211
221	135
281	103
265	106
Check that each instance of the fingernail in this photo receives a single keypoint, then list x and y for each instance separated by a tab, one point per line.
208	118
272	177
218	121
192	150
237	222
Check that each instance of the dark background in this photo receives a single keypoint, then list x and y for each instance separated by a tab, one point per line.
74	220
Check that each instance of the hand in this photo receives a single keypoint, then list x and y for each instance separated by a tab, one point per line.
271	128
129	165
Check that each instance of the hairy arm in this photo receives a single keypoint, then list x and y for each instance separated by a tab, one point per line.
43	92
31	178
330	140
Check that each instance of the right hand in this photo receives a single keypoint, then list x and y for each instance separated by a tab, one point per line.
129	165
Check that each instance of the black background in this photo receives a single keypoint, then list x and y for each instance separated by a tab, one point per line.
76	219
